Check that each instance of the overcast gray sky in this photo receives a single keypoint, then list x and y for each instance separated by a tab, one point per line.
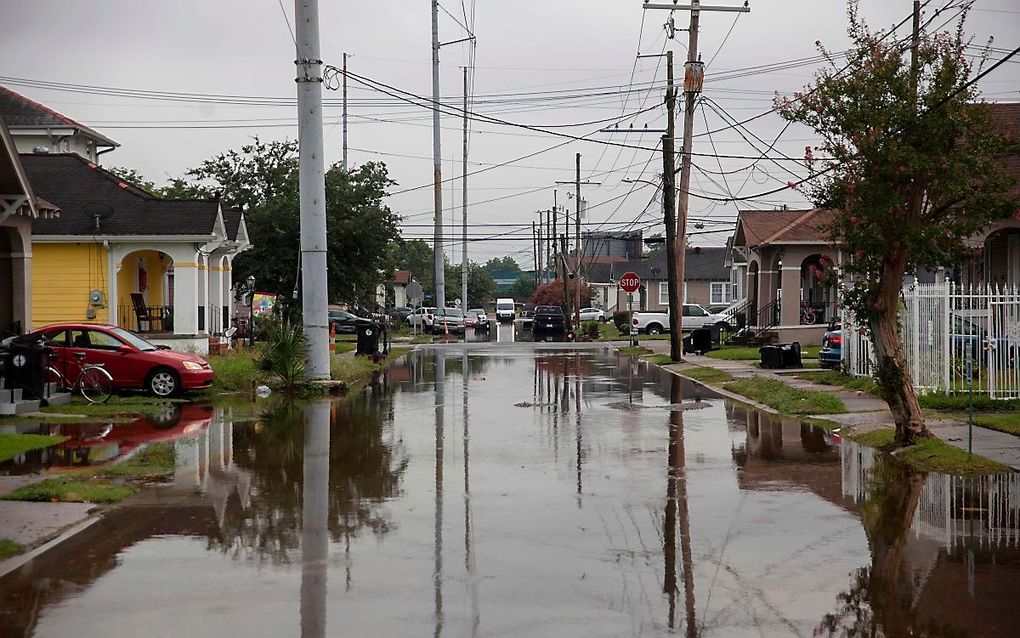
531	57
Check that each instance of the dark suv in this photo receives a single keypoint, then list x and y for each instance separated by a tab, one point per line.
549	322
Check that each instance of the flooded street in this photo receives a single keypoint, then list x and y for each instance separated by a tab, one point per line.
509	489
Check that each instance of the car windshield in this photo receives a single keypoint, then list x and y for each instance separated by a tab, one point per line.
504	306
548	310
134	340
476	311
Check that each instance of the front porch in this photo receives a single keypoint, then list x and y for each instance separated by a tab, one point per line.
791	293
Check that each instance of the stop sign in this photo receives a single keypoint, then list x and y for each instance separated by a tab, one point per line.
630	282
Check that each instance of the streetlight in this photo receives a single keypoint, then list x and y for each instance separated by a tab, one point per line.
251	310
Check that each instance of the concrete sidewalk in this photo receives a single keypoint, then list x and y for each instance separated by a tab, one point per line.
863	408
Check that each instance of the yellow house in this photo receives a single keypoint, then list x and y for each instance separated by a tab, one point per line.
119	255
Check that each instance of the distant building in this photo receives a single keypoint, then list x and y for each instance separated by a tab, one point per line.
706	280
619	245
39	129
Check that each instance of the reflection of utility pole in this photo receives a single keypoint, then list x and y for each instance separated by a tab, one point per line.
577	424
437	566
314	520
469	560
678	474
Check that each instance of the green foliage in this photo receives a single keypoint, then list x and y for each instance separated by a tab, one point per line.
66	489
750	353
959	402
621	319
502	265
658	359
834	377
591	327
481	286
12	445
416	255
284	355
1008	423
785	398
155	460
9	548
523	287
235	371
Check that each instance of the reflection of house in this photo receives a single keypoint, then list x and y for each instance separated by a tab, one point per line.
18	207
788	258
706	280
118	252
34	126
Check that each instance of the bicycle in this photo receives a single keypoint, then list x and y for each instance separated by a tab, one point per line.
93	382
807	315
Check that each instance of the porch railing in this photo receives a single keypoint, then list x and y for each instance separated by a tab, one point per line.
818	312
127	319
767	317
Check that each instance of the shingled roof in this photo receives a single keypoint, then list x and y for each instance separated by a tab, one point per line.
23	112
760	227
701	264
82	189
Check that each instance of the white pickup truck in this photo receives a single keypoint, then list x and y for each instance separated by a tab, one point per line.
694	316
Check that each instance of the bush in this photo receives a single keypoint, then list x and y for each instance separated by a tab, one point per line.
591	328
621	319
234	371
285	354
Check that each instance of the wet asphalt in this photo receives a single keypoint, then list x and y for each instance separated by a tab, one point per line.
505	488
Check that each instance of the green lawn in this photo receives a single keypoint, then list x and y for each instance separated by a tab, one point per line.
11	445
930	455
836	378
67	489
786	399
1008	423
750	353
658	359
958	403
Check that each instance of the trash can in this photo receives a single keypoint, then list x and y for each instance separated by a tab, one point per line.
699	340
791	355
25	367
369	334
771	356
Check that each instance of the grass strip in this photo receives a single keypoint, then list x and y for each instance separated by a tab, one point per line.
116	406
750	353
9	548
705	374
235	371
836	378
12	445
958	403
930	455
66	489
635	350
357	371
1008	423
785	398
658	359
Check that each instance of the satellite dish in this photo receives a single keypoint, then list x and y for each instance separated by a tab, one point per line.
98	213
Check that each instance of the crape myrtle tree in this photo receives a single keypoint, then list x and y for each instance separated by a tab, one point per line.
912	168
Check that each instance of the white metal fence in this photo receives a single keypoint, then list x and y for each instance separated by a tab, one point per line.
950	332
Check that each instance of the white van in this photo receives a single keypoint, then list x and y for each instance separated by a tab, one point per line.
505	309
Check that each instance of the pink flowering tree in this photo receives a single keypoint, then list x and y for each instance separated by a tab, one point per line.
913	166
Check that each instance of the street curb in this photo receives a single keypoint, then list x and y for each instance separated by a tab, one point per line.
17	562
733	396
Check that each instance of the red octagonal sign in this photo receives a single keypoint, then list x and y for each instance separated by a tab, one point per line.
630	282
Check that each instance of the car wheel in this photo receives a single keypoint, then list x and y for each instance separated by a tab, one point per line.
654	329
163	383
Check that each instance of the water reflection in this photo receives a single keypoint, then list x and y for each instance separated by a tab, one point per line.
314	520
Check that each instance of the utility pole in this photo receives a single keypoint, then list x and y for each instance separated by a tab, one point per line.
694	75
437	168
915	41
534	249
550	246
312	187
541	248
669	217
566	289
553	236
577	242
463	202
344	118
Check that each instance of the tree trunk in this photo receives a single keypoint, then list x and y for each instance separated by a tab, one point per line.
894	382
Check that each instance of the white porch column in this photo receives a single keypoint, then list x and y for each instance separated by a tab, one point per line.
228	291
215	311
202	299
186	291
789	281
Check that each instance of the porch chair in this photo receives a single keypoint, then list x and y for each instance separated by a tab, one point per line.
147	316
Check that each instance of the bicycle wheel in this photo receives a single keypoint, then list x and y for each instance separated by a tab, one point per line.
95	384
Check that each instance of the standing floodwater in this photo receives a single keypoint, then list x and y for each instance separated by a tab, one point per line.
506	490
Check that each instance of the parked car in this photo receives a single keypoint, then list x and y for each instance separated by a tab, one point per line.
505	309
422	317
694	316
398	314
587	314
133	362
481	319
448	320
345	322
831	354
549	321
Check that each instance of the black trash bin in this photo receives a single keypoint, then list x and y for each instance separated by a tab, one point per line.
369	336
25	367
791	355
771	356
699	341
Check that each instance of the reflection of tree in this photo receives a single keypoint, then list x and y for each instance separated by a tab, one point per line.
364	470
880	600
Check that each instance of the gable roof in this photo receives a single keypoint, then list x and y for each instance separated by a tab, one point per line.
760	227
401	277
23	112
82	189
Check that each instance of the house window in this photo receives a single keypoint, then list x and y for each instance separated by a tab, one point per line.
663	293
720	293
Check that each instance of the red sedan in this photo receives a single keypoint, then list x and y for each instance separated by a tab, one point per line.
134	363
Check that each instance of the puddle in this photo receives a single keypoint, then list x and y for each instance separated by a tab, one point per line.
440	507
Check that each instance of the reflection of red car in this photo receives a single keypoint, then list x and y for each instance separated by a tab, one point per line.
97	443
134	363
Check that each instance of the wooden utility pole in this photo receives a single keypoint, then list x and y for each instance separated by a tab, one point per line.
673	262
534	248
463	202
694	74
577	242
542	264
554	235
